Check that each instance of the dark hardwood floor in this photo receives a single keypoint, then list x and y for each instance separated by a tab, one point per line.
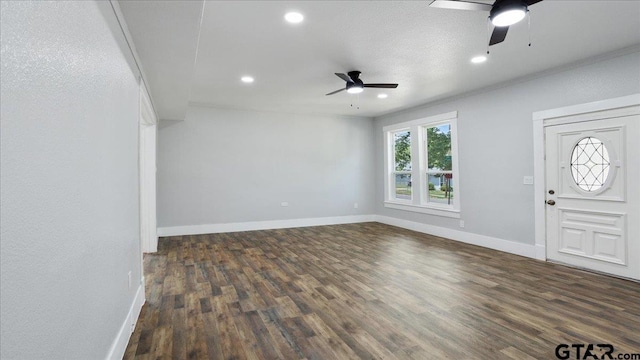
370	291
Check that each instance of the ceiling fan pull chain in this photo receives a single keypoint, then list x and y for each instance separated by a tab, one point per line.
529	21
488	33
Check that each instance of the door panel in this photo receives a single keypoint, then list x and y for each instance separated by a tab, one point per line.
593	195
593	235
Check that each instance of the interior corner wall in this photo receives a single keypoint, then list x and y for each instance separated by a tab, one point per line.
495	137
69	195
234	166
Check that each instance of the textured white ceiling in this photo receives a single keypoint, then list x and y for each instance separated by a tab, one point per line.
426	50
165	34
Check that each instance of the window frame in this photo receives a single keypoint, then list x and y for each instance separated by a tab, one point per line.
395	172
419	178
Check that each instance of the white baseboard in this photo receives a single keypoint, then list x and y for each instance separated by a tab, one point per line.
466	237
261	225
512	247
121	341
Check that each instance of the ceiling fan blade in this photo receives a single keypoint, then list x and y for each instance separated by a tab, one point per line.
460	5
381	86
344	77
498	35
531	2
337	91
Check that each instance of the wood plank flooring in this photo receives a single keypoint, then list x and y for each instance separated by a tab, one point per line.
365	291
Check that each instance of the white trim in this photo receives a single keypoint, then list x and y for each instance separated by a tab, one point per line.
590	116
119	345
446	212
147	115
418	202
508	246
595	106
148	131
422	121
539	188
546	118
261	225
541	252
117	11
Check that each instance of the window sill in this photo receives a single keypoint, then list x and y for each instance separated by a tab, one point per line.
450	213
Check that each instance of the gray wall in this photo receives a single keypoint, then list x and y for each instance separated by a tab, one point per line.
69	196
495	133
223	166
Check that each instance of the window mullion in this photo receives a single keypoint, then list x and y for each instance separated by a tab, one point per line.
454	163
416	168
424	157
388	167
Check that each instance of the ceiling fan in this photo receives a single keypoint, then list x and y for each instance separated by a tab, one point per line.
355	85
502	13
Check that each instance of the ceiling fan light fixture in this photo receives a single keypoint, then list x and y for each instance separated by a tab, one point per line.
355	84
382	96
507	13
355	89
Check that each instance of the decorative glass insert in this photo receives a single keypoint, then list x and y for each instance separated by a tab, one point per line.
590	164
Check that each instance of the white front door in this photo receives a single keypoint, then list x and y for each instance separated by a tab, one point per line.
593	193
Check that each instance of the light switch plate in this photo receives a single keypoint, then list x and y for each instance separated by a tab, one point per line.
527	180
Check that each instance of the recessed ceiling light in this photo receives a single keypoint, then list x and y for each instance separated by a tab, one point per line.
382	96
294	17
247	79
479	59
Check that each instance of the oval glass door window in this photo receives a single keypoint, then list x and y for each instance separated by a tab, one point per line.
590	164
